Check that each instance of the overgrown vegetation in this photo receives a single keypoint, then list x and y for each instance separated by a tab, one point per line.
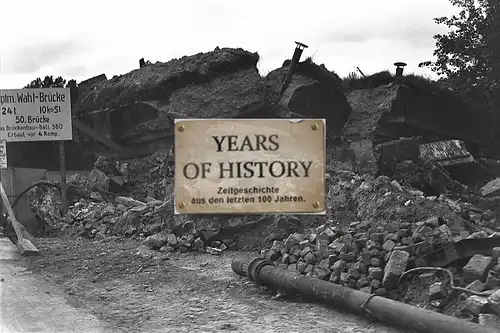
468	60
468	56
417	82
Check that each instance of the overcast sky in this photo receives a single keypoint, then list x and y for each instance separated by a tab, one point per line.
79	40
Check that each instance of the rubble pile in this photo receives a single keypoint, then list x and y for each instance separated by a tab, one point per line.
395	228
389	207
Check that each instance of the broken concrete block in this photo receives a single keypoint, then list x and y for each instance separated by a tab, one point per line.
156	241
167	248
301	267
364	157
292	240
445	231
270	255
305	251
338	267
322	273
376	273
491	189
349	257
476	304
363	282
375	284
171	239
395	267
490	320
99	179
322	242
375	262
312	238
305	243
285	258
331	234
493	280
295	250
437	290
476	268
388	245
476	286
494	302
277	246
338	246
310	258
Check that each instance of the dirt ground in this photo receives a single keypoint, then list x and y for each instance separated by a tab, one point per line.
133	289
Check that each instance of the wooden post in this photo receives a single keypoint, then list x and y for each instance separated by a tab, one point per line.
23	245
62	165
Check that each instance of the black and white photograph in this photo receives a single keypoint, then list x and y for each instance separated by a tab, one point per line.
255	167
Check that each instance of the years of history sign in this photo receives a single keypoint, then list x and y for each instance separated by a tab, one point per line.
35	114
249	166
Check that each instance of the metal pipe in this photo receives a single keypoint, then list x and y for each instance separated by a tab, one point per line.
293	66
399	69
385	310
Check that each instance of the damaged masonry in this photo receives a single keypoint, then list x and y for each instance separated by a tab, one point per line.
405	199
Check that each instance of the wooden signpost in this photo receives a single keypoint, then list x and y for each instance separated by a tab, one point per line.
31	115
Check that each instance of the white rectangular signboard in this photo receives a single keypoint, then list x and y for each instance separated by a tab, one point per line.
3	154
35	114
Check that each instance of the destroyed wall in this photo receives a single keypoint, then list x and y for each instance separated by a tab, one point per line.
314	92
403	108
412	108
91	83
443	113
222	83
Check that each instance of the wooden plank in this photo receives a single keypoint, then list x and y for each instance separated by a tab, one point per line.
24	245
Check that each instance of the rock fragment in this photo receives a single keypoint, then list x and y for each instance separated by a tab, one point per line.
395	267
156	241
494	302
490	320
476	268
437	290
476	304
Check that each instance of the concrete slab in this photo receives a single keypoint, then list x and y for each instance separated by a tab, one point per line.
28	303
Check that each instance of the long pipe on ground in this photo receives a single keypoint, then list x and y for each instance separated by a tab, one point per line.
385	310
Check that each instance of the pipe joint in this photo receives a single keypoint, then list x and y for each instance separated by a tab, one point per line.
254	268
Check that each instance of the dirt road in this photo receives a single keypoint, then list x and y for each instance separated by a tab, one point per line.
30	304
130	288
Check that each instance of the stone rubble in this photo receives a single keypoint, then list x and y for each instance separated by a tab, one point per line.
375	229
